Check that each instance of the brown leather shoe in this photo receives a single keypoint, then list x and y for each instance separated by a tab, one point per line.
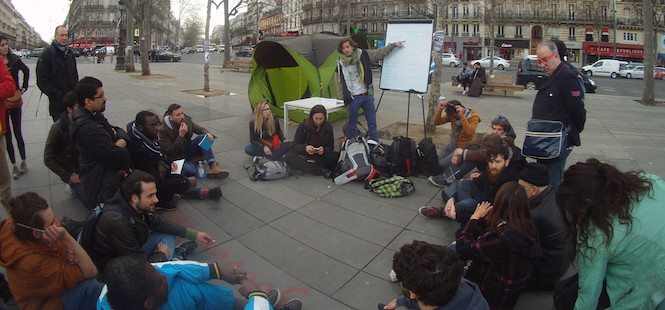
217	173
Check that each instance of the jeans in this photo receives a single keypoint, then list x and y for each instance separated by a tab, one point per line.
257	150
78	191
366	102
15	115
192	149
5	176
555	167
83	296
467	196
454	172
156	238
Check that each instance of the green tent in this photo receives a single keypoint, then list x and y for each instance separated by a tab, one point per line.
292	68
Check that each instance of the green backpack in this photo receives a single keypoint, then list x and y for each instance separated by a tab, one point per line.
395	186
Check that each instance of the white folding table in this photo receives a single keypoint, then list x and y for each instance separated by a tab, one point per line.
331	105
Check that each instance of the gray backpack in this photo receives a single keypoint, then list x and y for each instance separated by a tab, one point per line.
266	169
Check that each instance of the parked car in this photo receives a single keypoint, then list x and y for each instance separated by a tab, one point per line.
632	72
449	59
188	50
604	67
199	48
659	73
531	75
164	55
499	63
244	51
23	52
35	52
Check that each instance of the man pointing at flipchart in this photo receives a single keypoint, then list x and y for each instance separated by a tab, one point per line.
353	78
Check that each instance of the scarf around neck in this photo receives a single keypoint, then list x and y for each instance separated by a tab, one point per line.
152	145
354	59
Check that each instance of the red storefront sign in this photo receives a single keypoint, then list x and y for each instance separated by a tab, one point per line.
607	49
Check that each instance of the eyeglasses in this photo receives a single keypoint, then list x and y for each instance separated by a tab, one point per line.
499	118
546	59
30	227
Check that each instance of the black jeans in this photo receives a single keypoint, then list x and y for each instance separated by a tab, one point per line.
15	116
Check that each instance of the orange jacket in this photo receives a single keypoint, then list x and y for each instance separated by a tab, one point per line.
38	275
468	126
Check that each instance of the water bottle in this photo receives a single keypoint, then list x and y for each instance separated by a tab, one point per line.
200	172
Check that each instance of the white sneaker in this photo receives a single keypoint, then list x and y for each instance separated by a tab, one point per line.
393	276
464	92
459	85
68	190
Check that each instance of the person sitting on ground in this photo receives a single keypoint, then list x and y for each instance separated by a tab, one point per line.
265	136
616	218
135	284
500	242
147	156
431	278
464	159
175	138
102	147
314	144
464	76
60	152
144	232
550	226
462	197
46	268
463	124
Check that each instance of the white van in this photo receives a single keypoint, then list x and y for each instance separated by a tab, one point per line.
604	67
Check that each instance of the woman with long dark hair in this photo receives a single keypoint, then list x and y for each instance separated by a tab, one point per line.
14	64
500	241
265	136
313	146
616	221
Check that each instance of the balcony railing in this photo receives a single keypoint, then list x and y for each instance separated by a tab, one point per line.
465	34
518	36
571	38
500	35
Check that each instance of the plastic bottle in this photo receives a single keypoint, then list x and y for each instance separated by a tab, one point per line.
200	172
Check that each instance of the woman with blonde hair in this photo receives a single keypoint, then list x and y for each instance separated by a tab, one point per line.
265	136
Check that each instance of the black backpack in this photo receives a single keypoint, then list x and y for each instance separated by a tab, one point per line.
88	229
402	156
428	161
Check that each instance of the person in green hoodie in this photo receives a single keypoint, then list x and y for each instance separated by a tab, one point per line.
616	219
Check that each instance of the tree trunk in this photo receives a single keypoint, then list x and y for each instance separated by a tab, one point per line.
648	96
129	54
145	38
435	86
227	32
206	44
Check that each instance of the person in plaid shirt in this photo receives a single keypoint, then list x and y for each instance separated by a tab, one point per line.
500	241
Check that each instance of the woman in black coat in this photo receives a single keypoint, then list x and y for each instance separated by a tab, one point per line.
14	64
313	146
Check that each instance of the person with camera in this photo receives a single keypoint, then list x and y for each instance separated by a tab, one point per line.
463	123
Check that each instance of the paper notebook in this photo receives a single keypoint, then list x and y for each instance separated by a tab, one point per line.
206	143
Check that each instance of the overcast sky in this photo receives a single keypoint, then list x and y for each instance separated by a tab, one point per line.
45	15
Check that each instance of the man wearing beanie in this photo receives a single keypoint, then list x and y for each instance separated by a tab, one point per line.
550	225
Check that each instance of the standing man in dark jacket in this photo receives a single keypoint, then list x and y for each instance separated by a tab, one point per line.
550	226
353	79
56	72
60	153
560	98
102	148
137	230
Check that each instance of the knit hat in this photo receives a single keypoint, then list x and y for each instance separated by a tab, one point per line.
535	174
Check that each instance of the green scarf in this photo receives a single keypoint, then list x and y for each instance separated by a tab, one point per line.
354	59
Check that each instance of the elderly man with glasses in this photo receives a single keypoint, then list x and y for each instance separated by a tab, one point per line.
560	98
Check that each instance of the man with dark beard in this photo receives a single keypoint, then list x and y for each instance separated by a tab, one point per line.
463	196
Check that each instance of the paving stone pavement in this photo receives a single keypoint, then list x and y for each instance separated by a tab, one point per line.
329	245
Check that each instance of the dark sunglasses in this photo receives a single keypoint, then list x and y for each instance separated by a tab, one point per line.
503	119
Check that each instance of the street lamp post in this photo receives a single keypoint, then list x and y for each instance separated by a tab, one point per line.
120	49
